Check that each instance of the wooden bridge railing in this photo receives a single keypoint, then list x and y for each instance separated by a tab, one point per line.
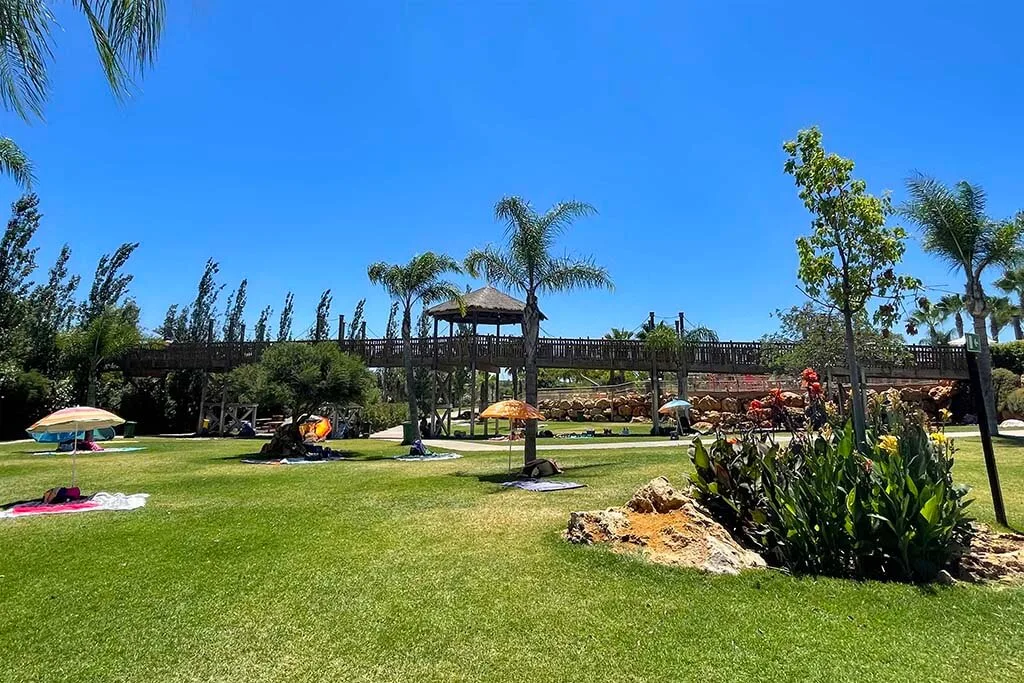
590	354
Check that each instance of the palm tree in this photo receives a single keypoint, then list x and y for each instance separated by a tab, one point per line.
952	305
931	318
1012	282
618	334
954	227
526	264
126	36
1000	314
420	280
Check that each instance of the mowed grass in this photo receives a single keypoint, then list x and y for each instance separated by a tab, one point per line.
377	570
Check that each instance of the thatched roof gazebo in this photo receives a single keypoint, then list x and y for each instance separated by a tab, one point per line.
484	306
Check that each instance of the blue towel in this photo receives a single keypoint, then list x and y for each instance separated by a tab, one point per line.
540	485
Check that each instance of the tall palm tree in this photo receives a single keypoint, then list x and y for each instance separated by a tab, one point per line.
528	265
955	228
125	34
1012	282
952	305
1000	314
420	280
618	334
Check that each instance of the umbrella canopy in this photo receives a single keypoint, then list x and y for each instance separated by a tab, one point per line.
512	410
75	420
674	406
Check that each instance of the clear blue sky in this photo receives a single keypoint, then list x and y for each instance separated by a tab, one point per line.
296	147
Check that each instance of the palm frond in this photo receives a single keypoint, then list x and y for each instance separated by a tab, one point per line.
699	334
14	163
561	216
946	230
566	274
497	267
126	34
25	48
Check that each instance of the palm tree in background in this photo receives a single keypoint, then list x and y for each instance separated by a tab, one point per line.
126	36
1012	282
617	334
930	318
527	264
420	280
955	228
1001	312
952	306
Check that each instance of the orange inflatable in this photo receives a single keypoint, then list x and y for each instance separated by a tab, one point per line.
315	428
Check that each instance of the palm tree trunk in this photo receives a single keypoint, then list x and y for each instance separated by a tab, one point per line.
959	324
985	373
856	389
410	377
993	327
531	335
1018	331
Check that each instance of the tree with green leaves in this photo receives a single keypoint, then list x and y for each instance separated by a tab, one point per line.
955	228
1012	282
357	320
284	323
51	310
107	335
17	263
234	313
617	334
527	264
952	306
110	283
125	34
311	375
262	329
847	262
811	336
322	327
420	281
931	318
204	307
1001	312
175	324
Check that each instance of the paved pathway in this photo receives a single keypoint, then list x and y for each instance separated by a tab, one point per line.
595	444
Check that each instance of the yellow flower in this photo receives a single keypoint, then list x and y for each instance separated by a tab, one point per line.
889	443
938	437
826	432
945	414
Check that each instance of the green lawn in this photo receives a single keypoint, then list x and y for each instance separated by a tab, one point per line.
376	570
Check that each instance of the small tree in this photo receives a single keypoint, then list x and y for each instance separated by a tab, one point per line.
284	325
847	261
234	313
262	330
204	307
421	280
106	336
321	329
952	306
110	283
357	320
1012	282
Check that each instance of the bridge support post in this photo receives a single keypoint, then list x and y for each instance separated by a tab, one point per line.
472	383
341	327
448	418
433	387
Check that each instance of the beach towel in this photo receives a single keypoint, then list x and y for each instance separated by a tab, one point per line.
124	449
98	501
428	457
539	485
291	461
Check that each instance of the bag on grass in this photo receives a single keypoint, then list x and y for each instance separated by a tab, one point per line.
542	467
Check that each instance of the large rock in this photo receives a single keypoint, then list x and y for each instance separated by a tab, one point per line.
682	535
656	496
792	400
1011	424
625	410
602	403
703	427
730	405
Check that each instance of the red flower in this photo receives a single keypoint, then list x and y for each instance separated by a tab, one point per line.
814	389
756	405
809	376
869	465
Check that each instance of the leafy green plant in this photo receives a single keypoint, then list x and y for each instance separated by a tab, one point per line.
1015	402
1009	355
822	506
1004	382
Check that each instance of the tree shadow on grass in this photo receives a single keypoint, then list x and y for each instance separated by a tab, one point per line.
502	477
345	456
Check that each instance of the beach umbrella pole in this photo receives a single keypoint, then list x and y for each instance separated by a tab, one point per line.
74	456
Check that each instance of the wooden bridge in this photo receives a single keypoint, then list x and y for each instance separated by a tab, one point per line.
925	362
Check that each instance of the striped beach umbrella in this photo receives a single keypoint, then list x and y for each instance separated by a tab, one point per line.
75	420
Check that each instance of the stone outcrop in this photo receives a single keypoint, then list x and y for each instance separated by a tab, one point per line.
665	526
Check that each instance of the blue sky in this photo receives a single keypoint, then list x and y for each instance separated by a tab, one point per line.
298	148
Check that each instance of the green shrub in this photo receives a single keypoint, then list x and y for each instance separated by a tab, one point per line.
1015	402
822	507
1009	355
385	415
1004	382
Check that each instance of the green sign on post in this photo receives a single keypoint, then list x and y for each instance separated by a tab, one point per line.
973	344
